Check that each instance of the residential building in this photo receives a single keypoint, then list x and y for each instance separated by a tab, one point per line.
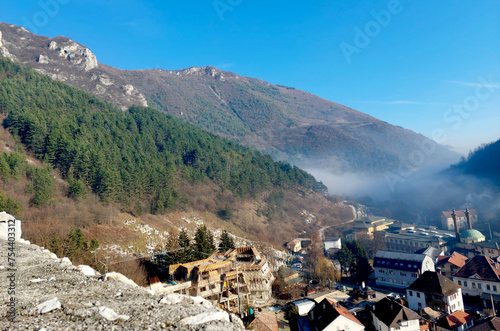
436	291
399	270
490	249
330	316
367	226
335	243
304	306
448	223
447	265
295	245
389	315
480	277
431	252
457	321
289	276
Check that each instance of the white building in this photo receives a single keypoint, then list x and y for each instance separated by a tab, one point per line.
480	277
304	306
330	316
435	291
400	269
390	315
333	243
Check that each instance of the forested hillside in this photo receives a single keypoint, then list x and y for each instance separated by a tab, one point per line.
483	162
137	154
287	123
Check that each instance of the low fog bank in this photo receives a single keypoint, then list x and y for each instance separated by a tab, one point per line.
419	197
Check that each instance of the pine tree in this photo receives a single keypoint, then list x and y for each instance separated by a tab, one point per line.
204	242
94	244
345	257
185	255
226	242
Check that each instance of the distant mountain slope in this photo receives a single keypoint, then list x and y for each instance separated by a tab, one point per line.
484	162
287	123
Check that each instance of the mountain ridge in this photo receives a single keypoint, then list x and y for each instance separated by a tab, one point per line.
285	122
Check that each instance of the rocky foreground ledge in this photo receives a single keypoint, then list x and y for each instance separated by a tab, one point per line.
53	294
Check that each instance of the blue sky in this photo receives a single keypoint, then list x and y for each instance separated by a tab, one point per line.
422	65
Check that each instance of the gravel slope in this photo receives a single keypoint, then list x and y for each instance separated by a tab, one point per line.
87	303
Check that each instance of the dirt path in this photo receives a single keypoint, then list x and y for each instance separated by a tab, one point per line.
322	230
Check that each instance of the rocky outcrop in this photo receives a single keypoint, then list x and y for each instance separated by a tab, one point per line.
75	53
68	61
53	294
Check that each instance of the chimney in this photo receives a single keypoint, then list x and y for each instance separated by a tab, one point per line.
467	214
457	233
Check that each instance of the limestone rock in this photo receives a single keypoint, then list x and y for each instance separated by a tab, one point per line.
201	301
205	318
43	59
53	45
86	270
49	305
111	315
118	276
65	261
171	299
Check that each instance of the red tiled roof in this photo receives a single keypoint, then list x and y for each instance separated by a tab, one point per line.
455	320
265	321
456	259
344	312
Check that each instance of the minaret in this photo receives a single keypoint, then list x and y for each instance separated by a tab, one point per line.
467	214
457	233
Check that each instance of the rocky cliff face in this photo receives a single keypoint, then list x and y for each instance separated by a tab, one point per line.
52	294
67	61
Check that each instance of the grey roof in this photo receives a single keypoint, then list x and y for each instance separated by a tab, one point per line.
391	313
434	283
495	244
480	266
431	252
332	239
399	261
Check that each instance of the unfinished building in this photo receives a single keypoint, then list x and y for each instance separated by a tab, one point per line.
222	278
